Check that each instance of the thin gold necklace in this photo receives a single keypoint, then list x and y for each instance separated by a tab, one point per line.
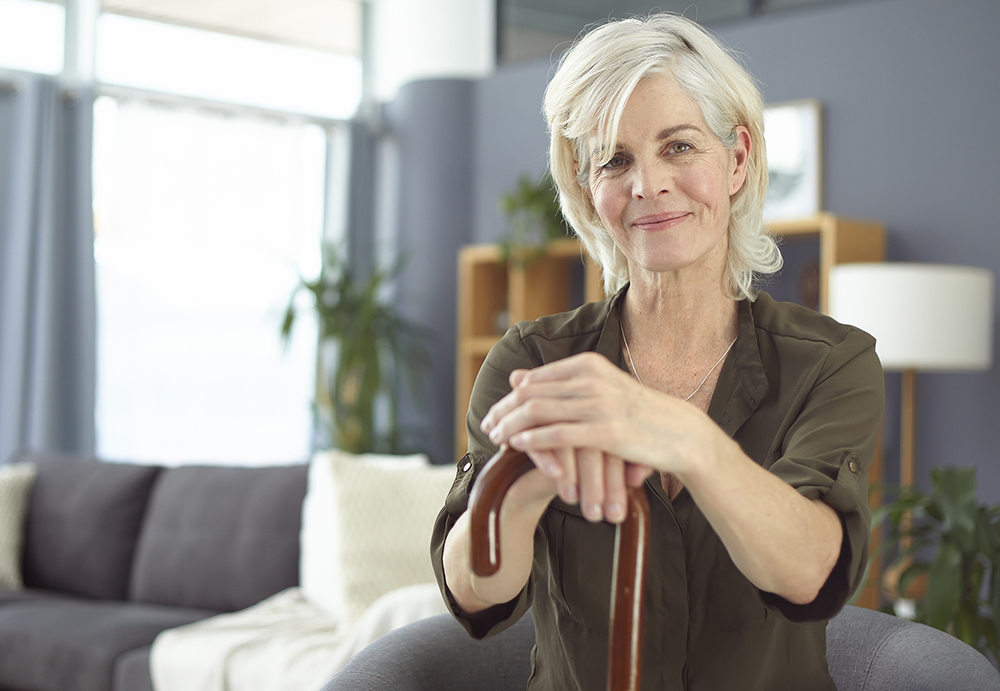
636	373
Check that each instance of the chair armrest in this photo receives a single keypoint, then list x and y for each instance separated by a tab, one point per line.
868	650
436	654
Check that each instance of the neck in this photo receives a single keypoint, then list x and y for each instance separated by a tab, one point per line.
684	318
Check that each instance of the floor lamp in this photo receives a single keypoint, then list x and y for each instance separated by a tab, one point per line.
926	317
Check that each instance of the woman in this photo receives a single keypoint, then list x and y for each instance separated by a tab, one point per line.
750	424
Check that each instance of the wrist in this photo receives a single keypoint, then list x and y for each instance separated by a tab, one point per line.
711	460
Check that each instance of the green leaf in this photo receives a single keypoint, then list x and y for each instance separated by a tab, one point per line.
371	342
986	536
967	625
955	491
994	590
944	585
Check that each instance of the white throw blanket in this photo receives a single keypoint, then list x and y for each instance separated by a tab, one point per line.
284	643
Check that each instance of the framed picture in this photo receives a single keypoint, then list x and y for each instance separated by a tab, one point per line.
793	133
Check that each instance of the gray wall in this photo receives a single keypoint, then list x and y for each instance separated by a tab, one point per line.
431	126
910	94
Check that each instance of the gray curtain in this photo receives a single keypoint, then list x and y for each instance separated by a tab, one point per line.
47	294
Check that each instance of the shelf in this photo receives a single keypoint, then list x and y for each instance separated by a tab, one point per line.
494	294
841	241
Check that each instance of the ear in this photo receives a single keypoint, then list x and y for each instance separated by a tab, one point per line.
741	159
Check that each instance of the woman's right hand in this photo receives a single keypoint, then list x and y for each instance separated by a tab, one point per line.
598	481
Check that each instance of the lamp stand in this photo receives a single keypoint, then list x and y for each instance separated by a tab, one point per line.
907	443
906	432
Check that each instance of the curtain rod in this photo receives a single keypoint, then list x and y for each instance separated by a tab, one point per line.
237	109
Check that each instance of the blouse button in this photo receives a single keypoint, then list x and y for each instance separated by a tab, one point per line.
465	468
853	465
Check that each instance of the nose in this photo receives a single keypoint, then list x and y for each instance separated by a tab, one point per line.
649	180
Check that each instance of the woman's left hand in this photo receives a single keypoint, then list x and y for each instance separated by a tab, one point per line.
580	411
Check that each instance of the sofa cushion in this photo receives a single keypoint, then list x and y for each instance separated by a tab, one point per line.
367	523
16	480
132	671
220	538
82	525
30	594
72	645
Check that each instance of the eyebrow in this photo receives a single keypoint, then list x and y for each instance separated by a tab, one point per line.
663	134
671	131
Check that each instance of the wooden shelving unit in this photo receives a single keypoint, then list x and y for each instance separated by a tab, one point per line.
841	241
493	294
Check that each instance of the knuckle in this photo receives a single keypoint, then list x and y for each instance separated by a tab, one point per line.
533	408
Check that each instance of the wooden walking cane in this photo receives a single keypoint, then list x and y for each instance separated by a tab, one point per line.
631	539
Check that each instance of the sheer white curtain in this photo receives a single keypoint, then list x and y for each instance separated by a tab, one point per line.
203	222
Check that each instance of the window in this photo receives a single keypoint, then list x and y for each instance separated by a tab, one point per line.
175	59
31	36
212	155
203	223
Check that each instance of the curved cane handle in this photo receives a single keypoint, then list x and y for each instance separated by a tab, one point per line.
497	476
631	539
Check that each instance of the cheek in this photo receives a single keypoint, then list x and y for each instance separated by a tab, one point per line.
708	187
609	200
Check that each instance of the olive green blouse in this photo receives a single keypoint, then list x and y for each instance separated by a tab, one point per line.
803	396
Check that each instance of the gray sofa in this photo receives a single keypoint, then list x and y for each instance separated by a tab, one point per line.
115	553
866	651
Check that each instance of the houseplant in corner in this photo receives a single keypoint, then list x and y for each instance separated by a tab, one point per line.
533	218
952	543
365	348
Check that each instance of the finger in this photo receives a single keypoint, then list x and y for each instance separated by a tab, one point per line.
572	366
636	474
590	466
516	376
537	412
547	461
569	491
556	435
614	488
551	392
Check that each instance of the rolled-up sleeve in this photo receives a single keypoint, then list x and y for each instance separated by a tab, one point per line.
826	453
492	384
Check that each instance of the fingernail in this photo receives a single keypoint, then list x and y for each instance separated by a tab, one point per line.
571	495
616	512
592	512
553	470
495	436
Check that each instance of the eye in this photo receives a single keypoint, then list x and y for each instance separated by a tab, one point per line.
617	161
679	148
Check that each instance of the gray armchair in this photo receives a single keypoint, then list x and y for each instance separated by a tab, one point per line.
866	651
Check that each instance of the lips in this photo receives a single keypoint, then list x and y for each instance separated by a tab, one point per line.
660	221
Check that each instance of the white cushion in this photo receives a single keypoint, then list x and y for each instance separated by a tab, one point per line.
16	481
366	528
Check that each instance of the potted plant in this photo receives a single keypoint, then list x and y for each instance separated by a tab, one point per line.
534	219
365	347
948	556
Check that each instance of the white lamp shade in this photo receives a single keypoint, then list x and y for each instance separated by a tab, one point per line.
923	316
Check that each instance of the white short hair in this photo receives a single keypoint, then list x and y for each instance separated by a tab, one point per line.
587	96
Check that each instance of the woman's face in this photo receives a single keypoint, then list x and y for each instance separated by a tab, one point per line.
664	195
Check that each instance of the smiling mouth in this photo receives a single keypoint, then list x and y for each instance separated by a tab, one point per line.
659	221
